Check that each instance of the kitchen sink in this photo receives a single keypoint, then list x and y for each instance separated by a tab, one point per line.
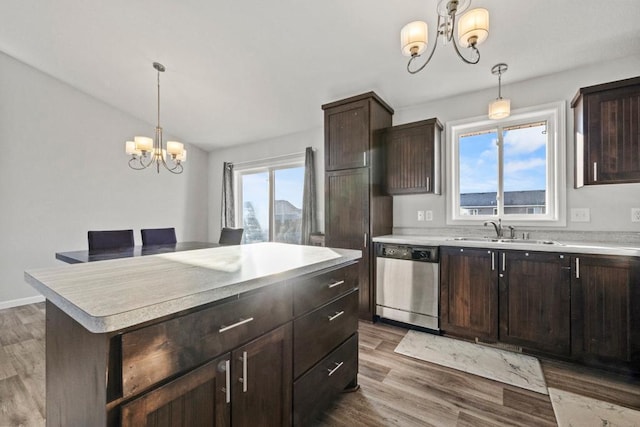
507	240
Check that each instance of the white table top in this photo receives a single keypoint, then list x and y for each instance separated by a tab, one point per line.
106	296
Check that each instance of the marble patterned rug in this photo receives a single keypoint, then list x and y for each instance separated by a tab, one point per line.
571	410
499	365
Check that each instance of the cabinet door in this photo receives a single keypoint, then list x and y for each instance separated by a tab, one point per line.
535	300
605	317
347	135
613	142
347	222
262	381
199	398
469	292
413	157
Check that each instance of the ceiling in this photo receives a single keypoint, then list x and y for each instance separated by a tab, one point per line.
243	71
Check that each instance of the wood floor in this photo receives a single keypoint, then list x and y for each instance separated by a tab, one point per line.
395	390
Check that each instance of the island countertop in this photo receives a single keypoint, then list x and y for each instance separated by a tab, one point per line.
112	295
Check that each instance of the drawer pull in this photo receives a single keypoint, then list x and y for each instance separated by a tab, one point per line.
338	366
335	316
235	325
334	284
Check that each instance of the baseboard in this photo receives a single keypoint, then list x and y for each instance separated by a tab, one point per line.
21	301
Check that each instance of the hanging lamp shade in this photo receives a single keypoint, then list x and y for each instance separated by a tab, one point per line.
414	38
473	27
499	109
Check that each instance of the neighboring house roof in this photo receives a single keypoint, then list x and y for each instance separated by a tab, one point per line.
511	198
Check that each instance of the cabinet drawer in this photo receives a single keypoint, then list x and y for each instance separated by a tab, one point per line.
159	351
313	392
322	330
318	290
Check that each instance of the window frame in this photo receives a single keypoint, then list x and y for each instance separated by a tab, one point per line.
269	166
555	116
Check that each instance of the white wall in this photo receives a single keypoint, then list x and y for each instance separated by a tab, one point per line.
610	205
288	144
63	171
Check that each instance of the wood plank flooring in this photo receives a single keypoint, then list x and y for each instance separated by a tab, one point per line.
395	390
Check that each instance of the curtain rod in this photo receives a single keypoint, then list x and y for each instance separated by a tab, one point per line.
281	157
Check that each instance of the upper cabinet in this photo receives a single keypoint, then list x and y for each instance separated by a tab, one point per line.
413	157
607	133
349	127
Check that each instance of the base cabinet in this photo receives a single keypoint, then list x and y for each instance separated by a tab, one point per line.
535	301
469	293
605	313
582	307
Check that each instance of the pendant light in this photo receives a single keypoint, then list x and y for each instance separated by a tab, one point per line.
500	107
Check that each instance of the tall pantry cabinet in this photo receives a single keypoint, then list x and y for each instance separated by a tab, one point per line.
356	206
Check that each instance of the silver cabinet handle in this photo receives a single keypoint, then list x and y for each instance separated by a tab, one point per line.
364	158
338	366
334	284
235	325
504	261
227	375
428	184
577	268
244	380
335	316
365	239
493	261
595	171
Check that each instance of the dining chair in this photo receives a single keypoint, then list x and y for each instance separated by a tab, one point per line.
158	236
231	236
109	239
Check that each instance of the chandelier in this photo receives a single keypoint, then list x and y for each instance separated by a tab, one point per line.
500	107
146	151
472	29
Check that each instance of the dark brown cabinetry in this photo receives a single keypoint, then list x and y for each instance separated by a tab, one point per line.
469	292
356	207
607	133
605	313
535	300
223	364
413	157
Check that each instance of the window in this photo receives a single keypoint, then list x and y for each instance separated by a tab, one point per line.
269	200
511	169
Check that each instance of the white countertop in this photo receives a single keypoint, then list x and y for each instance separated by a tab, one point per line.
523	245
105	296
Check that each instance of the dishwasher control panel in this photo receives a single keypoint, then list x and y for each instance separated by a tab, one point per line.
412	253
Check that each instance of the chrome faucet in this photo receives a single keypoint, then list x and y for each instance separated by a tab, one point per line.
497	226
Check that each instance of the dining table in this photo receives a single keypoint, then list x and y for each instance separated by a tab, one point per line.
82	256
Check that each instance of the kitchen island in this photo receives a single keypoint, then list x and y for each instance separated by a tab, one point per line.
261	334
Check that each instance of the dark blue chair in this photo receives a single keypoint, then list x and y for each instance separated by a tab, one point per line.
158	236
110	239
231	236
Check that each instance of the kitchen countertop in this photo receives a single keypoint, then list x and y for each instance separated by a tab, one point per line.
115	294
518	244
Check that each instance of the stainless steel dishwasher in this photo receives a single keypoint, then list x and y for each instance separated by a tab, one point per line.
407	284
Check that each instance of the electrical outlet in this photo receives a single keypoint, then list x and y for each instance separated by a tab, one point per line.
420	215
428	215
635	214
580	215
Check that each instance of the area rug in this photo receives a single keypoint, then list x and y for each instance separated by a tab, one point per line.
499	365
570	409
573	410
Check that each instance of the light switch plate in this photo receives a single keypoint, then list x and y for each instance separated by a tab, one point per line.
635	214
580	215
428	215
